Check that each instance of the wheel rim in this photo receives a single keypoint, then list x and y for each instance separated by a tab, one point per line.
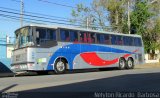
130	63
122	63
60	66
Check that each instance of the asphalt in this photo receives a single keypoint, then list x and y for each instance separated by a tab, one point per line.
136	80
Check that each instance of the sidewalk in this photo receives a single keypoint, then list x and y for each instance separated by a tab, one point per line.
148	65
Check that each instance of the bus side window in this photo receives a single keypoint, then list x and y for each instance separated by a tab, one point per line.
130	40
107	39
137	42
91	37
51	34
119	40
102	39
41	33
87	37
125	41
113	39
73	36
64	34
140	42
83	37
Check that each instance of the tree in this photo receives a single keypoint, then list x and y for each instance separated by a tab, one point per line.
144	18
116	10
92	17
80	15
144	21
102	13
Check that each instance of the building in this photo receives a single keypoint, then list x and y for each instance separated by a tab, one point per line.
6	48
153	57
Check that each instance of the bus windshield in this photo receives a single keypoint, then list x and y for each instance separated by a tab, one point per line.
23	38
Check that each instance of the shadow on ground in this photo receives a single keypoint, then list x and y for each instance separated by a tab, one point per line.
5	71
147	82
42	73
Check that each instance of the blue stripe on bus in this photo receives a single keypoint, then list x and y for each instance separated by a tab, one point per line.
70	51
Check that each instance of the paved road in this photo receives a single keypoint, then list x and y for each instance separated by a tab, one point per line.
99	81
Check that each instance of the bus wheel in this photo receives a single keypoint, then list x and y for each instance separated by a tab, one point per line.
122	63
130	63
60	66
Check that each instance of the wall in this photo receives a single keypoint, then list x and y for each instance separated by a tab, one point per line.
155	58
2	45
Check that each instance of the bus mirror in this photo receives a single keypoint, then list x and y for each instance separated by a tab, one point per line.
37	34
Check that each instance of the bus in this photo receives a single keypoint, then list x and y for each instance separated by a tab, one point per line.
61	48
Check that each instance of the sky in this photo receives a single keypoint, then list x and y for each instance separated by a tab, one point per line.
8	26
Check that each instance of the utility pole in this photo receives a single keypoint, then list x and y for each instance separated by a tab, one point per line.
129	24
21	14
87	22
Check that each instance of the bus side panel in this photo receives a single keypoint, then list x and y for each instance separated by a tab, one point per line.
93	56
80	63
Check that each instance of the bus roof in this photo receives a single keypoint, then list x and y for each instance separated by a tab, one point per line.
79	29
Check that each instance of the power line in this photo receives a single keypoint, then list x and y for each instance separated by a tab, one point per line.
53	19
45	21
36	13
17	20
50	15
34	16
46	1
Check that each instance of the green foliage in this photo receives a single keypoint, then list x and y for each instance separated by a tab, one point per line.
116	9
80	15
140	25
139	17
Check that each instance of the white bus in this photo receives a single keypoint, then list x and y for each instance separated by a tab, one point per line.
60	48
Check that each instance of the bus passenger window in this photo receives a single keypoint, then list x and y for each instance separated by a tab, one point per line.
87	37
51	34
128	41
41	35
83	37
113	39
100	38
91	37
107	39
64	34
119	40
137	42
74	36
125	41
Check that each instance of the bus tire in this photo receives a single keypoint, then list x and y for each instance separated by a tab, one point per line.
60	66
122	64
130	63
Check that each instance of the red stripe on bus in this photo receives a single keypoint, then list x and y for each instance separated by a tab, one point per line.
93	59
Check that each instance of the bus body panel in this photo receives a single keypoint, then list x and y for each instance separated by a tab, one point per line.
79	55
44	58
76	61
